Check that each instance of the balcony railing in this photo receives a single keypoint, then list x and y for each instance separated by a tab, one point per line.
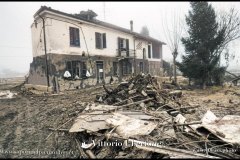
123	53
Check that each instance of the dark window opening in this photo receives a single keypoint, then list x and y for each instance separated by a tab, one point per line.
74	37
144	53
100	73
123	43
149	51
77	69
83	70
126	67
115	68
100	40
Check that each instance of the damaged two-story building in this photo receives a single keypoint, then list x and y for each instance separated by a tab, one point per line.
92	51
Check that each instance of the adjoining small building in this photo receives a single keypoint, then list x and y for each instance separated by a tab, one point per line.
92	51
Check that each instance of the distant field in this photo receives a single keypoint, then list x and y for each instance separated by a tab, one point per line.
6	83
12	79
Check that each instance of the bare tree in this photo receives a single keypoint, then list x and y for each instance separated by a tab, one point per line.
229	25
173	33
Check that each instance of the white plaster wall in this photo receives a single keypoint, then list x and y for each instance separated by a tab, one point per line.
37	35
58	39
139	52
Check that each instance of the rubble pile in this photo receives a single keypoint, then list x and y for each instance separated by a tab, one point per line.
136	89
140	119
143	91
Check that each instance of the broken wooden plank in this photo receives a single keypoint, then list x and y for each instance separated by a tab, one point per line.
107	90
177	93
90	154
144	93
59	127
100	107
132	91
138	102
184	124
123	101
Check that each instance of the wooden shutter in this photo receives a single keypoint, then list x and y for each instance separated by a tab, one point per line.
104	40
98	40
127	47
119	46
77	39
149	51
71	34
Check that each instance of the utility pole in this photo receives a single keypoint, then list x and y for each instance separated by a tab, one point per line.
45	49
134	51
104	16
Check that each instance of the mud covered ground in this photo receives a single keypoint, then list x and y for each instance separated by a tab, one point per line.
26	118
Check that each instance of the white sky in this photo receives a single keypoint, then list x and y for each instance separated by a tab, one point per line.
17	17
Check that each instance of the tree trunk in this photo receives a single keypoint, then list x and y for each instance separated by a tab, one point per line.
204	84
174	69
189	81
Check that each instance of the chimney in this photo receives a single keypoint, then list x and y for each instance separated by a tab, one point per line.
131	25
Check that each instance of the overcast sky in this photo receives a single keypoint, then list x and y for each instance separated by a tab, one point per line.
17	17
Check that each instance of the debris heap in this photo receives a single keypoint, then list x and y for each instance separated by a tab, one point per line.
140	119
141	91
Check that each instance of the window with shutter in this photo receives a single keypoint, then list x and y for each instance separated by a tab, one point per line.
74	37
100	40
